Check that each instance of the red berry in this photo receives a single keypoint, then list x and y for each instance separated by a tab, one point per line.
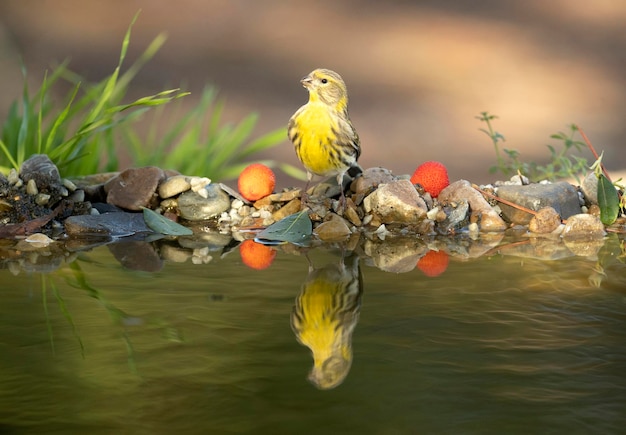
256	182
432	176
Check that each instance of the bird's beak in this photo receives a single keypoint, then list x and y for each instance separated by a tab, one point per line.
306	81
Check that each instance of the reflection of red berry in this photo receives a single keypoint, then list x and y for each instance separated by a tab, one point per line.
432	176
434	263
255	255
256	182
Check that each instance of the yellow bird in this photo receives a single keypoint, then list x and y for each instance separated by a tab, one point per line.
324	317
325	140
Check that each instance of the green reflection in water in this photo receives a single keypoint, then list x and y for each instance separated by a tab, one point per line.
498	344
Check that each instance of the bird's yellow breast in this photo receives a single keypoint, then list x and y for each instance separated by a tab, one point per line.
316	128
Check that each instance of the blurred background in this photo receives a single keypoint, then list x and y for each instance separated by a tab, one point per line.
418	72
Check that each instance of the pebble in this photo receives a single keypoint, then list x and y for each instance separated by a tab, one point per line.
583	226
370	179
589	186
334	229
545	221
290	208
40	167
173	186
200	185
31	187
194	207
396	202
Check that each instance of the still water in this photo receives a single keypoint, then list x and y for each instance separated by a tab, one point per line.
493	344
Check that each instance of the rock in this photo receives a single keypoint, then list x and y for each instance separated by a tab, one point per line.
40	168
173	186
199	185
396	202
194	207
462	190
334	229
561	196
590	188
370	179
291	207
583	226
134	188
106	225
352	214
545	221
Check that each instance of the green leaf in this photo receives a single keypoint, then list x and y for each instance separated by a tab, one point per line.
608	200
162	225
296	228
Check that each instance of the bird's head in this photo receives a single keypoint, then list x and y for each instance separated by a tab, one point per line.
327	87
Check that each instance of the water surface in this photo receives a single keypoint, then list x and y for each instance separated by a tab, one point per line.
495	344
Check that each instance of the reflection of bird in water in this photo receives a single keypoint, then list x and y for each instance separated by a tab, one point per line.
324	317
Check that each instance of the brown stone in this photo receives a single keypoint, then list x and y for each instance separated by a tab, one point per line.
134	188
545	221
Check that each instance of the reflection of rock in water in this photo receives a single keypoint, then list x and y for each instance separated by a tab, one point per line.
324	317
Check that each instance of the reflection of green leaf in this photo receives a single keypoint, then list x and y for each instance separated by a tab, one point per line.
162	225
608	200
296	228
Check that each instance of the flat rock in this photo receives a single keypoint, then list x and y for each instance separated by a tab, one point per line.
396	202
561	196
134	188
106	225
462	190
194	207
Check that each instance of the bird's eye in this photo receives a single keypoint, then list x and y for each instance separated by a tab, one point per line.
324	81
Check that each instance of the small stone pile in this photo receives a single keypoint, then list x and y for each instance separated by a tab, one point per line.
377	202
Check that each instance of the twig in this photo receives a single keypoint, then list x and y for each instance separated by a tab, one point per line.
593	151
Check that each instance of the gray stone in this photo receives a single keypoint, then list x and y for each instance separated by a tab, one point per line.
590	188
194	207
134	188
462	190
38	167
372	178
106	225
561	196
174	186
396	202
